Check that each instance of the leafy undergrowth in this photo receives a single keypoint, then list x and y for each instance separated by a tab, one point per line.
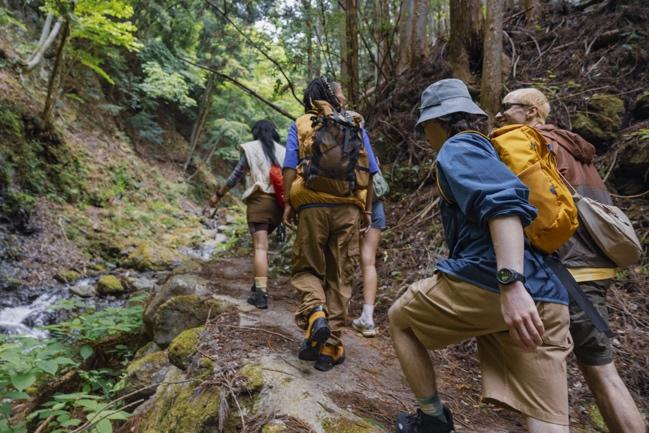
62	381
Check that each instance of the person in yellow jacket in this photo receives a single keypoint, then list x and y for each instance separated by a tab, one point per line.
326	247
592	269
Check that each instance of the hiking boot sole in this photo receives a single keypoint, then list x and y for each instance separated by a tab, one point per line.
326	363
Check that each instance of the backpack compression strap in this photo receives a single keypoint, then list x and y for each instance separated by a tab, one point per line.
577	295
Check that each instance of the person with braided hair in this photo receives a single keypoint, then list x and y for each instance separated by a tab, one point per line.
329	222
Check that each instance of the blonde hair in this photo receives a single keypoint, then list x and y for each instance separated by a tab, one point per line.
532	97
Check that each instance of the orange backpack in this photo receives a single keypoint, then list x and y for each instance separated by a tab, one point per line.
524	150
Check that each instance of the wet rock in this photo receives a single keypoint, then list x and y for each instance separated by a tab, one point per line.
601	122
147	349
641	106
181	313
110	285
67	276
150	257
84	288
140	282
183	284
184	346
146	371
181	408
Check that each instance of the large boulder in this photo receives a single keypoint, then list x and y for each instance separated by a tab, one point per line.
632	168
601	122
181	407
146	373
184	346
182	284
183	312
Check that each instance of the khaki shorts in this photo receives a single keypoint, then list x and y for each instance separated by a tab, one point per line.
443	310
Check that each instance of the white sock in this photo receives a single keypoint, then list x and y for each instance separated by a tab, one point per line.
261	282
368	314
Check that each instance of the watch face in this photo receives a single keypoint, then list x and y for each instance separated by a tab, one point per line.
504	276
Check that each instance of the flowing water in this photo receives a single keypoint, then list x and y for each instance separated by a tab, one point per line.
24	310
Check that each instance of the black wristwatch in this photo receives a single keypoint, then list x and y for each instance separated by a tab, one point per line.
507	276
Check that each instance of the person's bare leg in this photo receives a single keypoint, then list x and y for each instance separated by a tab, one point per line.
260	241
536	426
413	357
613	399
369	244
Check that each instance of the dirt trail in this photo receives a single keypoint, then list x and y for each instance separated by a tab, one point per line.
368	385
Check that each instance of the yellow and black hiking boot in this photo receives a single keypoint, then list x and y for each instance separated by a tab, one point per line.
330	356
419	422
316	334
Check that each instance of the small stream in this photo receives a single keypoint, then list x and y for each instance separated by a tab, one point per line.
25	309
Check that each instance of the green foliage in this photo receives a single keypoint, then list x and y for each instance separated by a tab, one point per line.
171	86
97	27
643	133
26	363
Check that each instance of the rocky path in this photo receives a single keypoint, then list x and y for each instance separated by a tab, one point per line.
363	394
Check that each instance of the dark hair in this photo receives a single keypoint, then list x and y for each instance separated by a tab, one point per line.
321	88
265	131
458	122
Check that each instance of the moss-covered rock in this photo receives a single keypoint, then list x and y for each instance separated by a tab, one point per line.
641	106
602	121
151	257
254	377
146	373
147	349
181	284
275	426
184	346
110	285
182	408
344	425
67	276
181	313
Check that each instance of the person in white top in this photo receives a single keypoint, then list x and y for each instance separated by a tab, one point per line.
263	203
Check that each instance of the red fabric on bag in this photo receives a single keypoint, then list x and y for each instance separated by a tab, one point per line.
277	180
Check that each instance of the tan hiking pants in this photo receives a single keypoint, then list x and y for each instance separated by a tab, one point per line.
325	255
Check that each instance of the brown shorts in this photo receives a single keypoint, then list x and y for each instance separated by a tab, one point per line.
443	310
261	208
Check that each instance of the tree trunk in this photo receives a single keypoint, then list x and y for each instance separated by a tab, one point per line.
349	52
465	44
405	34
308	36
419	41
492	77
199	125
381	37
51	85
47	39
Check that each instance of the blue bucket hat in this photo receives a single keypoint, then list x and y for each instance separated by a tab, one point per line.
446	97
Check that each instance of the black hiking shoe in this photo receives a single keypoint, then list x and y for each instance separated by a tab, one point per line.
258	298
316	334
422	423
330	356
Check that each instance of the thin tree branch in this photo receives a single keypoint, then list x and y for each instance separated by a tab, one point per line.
263	52
242	86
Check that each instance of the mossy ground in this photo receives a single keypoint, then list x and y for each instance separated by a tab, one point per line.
184	346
